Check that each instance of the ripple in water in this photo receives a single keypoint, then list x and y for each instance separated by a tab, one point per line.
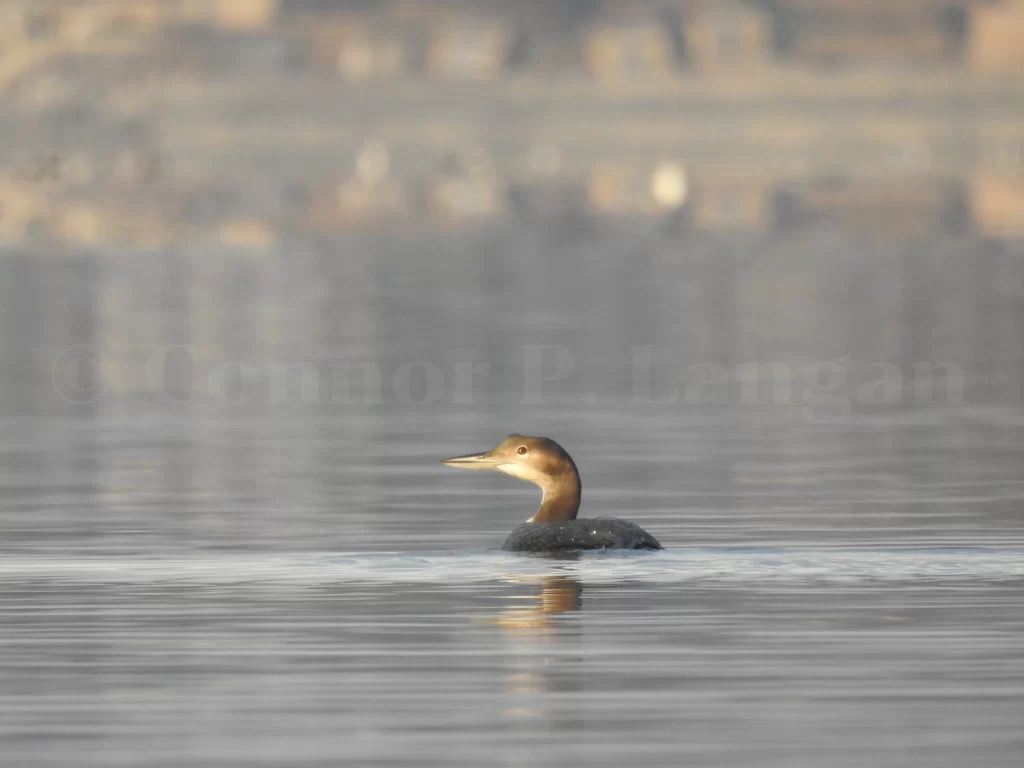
706	565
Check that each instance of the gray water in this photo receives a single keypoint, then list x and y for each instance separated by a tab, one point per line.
197	571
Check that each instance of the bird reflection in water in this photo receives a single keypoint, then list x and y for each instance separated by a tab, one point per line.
557	594
543	652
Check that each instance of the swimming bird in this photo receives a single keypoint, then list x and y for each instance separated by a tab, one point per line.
554	526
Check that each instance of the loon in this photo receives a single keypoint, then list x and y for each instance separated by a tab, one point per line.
553	527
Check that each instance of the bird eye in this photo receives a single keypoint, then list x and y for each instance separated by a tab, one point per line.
522	450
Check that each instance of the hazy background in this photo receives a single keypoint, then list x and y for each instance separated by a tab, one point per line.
455	220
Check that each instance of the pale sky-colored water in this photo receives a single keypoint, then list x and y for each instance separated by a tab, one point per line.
197	573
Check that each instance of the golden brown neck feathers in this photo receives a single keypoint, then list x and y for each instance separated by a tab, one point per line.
562	491
540	461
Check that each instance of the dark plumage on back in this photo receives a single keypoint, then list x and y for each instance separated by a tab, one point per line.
596	533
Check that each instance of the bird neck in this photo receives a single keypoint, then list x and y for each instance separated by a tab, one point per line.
561	500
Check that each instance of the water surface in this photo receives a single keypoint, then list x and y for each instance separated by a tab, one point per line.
203	578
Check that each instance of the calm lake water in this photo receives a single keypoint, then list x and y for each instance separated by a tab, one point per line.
200	569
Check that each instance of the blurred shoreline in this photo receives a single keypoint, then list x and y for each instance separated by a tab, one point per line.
140	124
